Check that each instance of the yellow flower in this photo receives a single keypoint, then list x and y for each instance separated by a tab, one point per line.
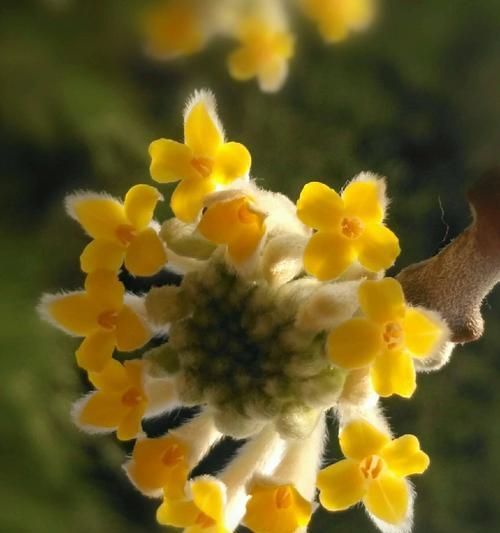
349	228
234	223
174	28
121	231
101	315
264	53
387	338
336	18
373	472
202	512
119	402
276	509
203	164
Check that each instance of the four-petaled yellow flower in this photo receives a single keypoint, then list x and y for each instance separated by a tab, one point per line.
101	315
349	228
387	338
276	509
174	28
264	53
119	403
204	163
235	223
336	18
121	231
373	472
203	512
159	464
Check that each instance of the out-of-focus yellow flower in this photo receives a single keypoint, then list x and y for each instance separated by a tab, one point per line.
101	315
349	228
235	223
264	53
373	472
174	28
336	18
119	402
203	512
121	231
276	509
203	164
387	338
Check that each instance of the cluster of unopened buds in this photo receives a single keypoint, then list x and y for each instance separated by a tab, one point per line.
283	316
266	44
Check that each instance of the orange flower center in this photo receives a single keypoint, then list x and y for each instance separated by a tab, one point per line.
352	227
393	335
132	397
173	455
107	319
203	165
371	466
283	498
125	234
245	216
204	521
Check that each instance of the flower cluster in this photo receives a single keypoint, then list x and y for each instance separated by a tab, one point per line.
283	316
261	29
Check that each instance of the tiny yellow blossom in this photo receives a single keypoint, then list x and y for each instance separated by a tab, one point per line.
174	28
119	402
276	509
373	472
235	223
350	227
121	231
387	338
264	53
203	164
336	18
101	315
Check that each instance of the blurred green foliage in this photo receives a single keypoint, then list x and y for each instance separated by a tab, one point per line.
415	99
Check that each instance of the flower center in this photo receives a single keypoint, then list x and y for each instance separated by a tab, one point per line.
203	165
107	319
132	397
352	227
204	520
371	466
173	455
283	498
245	216
393	335
125	234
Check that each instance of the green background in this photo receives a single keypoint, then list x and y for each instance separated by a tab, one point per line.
415	99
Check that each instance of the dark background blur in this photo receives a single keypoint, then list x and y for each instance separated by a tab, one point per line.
416	99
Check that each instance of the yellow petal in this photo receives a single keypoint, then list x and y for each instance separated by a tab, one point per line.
272	75
102	254
320	207
382	301
341	485
328	255
140	203
333	30
393	372
130	425
112	379
359	439
202	133
247	242
387	498
187	199
404	456
135	373
171	161
99	215
362	199
102	410
131	333
242	64
177	513
221	223
355	343
378	247
75	313
104	288
209	497
146	254
232	161
421	333
96	350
